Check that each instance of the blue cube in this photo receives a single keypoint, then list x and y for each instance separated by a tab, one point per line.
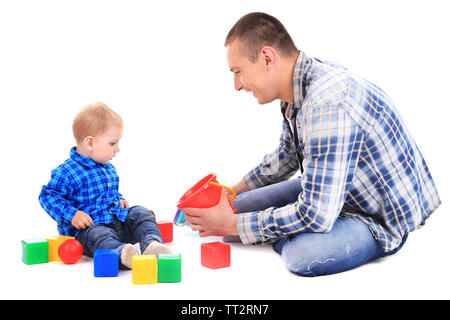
106	263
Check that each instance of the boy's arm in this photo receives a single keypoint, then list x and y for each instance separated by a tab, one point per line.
123	203
54	197
82	220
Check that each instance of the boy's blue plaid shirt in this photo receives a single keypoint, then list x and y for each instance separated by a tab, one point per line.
82	184
358	158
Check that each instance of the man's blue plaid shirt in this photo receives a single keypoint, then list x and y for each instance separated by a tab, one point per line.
358	158
82	184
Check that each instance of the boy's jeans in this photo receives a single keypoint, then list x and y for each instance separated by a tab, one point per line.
139	226
348	245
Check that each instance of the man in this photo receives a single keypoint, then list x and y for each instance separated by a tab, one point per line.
364	185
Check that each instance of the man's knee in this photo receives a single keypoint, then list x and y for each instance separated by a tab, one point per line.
307	255
309	267
306	259
303	261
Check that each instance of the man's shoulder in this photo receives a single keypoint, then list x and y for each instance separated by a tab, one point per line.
327	69
327	83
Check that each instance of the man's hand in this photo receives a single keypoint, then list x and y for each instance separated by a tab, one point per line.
216	221
82	220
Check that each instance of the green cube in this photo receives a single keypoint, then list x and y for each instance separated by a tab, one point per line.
169	267
34	251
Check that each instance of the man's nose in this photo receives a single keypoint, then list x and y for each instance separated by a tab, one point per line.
237	83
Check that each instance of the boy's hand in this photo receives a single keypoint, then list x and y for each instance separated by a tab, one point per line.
124	203
82	220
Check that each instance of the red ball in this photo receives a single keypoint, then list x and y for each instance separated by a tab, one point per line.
70	251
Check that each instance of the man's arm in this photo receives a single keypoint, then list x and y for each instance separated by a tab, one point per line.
333	143
241	187
332	147
277	166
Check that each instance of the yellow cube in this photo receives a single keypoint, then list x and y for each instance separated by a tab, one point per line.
144	269
53	246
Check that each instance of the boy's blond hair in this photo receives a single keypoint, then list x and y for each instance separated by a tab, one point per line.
94	119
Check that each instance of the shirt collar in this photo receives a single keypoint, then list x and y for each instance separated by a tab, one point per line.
85	161
299	83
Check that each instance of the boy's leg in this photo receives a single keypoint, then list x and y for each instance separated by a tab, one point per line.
141	227
348	245
101	236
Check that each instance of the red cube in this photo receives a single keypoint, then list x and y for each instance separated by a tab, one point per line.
215	255
166	229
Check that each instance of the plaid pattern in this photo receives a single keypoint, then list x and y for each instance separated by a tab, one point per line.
358	158
82	184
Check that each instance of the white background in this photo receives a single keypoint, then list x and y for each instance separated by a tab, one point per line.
162	66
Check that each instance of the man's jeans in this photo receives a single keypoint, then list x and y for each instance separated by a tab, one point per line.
348	245
139	226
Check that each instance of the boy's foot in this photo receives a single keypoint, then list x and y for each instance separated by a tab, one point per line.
155	248
127	254
137	245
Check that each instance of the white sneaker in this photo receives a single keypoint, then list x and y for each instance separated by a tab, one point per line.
155	248
127	254
137	245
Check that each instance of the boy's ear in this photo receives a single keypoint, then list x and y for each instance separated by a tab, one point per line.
88	143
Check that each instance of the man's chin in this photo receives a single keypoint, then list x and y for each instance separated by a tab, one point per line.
262	101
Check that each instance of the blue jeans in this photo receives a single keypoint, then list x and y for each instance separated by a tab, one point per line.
139	226
348	245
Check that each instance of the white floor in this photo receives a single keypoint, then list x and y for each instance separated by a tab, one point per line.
183	120
418	271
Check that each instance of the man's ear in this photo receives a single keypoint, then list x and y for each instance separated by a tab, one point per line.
88	143
269	56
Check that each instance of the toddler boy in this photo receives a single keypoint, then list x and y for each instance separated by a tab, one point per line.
83	193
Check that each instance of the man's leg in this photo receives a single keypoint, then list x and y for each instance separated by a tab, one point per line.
348	245
275	195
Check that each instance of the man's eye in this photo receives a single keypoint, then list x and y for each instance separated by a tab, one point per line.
112	144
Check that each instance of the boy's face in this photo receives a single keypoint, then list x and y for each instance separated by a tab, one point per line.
106	145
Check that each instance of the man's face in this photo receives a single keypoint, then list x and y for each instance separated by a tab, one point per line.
256	77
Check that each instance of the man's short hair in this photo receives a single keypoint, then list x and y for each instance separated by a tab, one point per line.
94	119
256	30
